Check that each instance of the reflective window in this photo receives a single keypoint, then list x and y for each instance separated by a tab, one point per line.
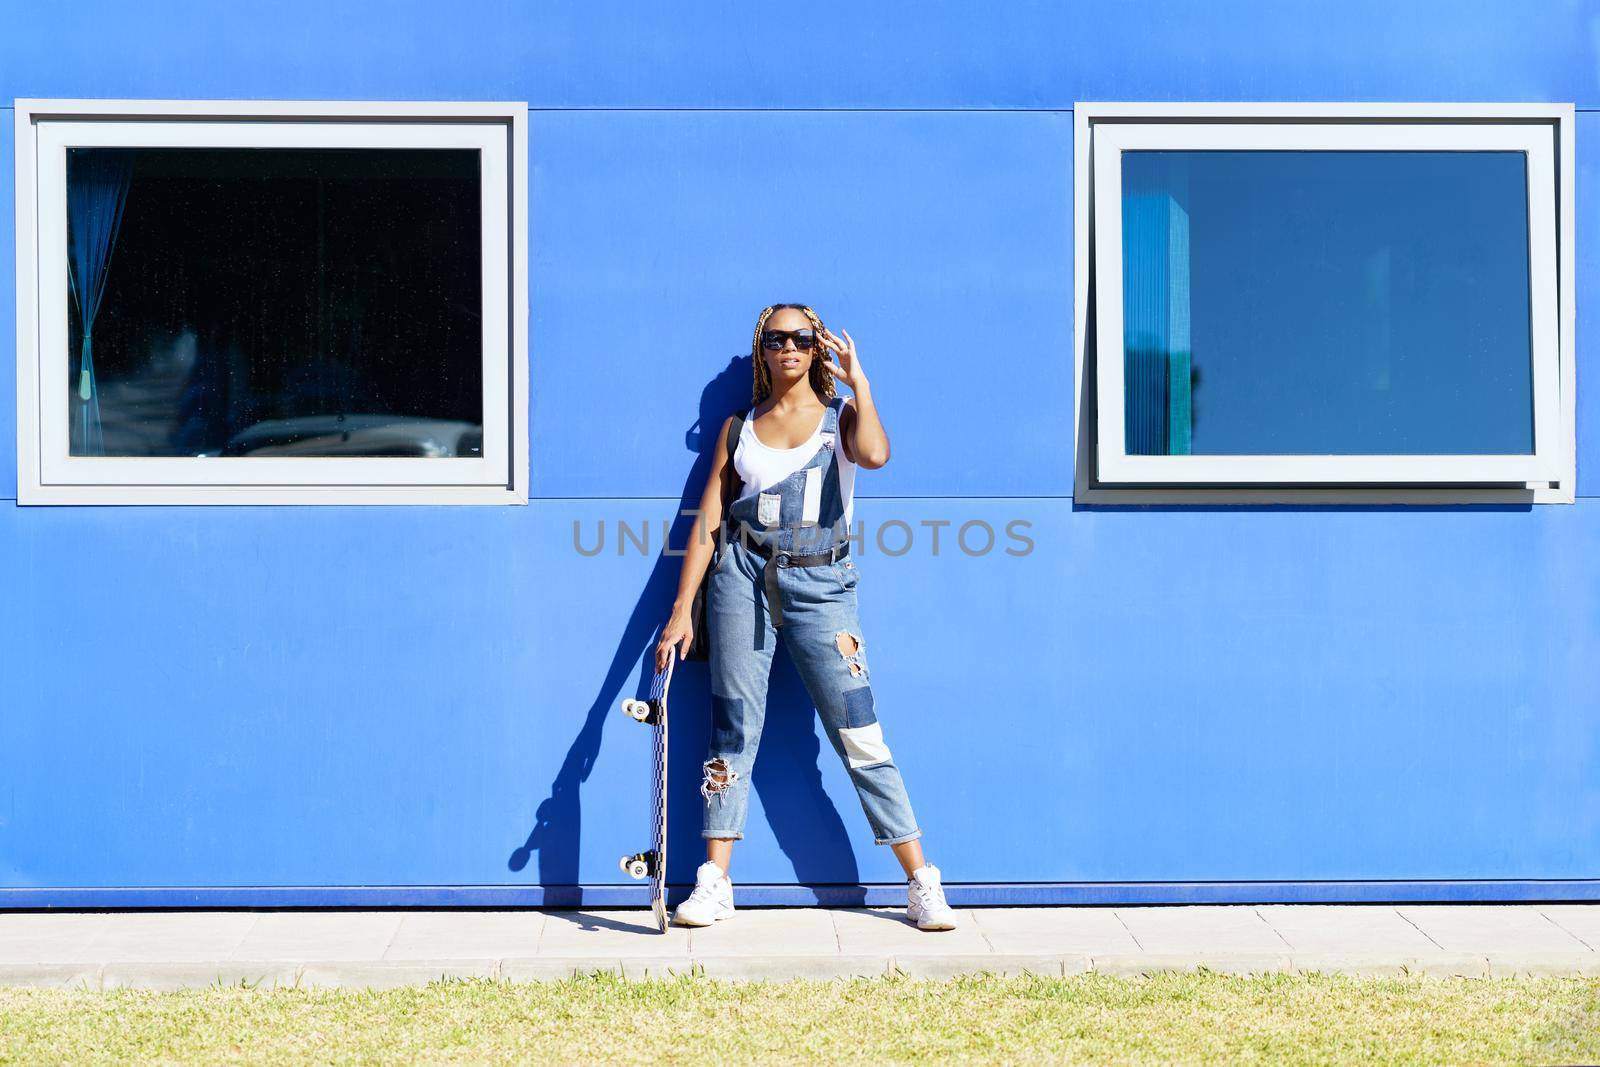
1326	302
274	302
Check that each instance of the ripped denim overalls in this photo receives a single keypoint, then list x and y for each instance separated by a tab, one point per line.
784	569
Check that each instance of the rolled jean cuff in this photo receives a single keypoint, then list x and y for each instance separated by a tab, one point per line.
712	834
912	836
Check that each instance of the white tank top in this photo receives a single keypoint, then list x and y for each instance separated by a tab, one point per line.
762	466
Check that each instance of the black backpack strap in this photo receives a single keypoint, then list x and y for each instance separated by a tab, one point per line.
735	428
731	482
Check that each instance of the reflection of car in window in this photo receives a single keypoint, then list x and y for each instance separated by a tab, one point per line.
358	435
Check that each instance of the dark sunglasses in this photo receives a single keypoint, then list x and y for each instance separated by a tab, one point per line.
772	340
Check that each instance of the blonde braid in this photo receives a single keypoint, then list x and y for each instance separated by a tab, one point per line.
762	384
821	376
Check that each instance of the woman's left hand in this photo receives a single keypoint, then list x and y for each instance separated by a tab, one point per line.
848	369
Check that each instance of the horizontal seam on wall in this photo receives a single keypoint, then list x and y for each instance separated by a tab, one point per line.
1055	496
553	499
906	110
958	110
858	496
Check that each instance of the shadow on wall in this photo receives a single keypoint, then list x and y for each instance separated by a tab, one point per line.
787	776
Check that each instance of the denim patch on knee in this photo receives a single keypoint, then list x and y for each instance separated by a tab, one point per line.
727	732
858	707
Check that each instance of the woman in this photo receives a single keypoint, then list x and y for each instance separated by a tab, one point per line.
783	567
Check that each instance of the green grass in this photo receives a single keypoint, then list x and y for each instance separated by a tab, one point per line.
1192	1017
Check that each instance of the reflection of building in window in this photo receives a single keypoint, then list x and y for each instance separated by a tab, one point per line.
1155	294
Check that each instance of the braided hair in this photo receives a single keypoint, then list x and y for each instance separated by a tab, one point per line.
821	376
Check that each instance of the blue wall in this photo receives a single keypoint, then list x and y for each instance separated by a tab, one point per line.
1403	701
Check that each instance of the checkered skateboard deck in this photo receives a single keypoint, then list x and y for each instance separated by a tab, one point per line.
652	711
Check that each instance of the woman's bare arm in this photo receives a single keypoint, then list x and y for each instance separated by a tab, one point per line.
679	631
865	439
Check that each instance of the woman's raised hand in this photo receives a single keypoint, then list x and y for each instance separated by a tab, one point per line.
848	368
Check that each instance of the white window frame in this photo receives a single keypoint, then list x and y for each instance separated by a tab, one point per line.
48	474
1106	473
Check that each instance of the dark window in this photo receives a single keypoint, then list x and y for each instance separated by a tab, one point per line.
311	302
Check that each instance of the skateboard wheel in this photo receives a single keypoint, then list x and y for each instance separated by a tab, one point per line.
636	709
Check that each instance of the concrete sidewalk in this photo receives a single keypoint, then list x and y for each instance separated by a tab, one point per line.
163	950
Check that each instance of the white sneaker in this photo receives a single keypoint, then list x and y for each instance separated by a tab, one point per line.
711	900
925	904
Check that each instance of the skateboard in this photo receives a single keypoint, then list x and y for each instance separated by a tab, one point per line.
653	864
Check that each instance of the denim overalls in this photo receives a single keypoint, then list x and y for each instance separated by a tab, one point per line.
784	568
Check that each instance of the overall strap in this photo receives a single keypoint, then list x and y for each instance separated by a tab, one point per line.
830	421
